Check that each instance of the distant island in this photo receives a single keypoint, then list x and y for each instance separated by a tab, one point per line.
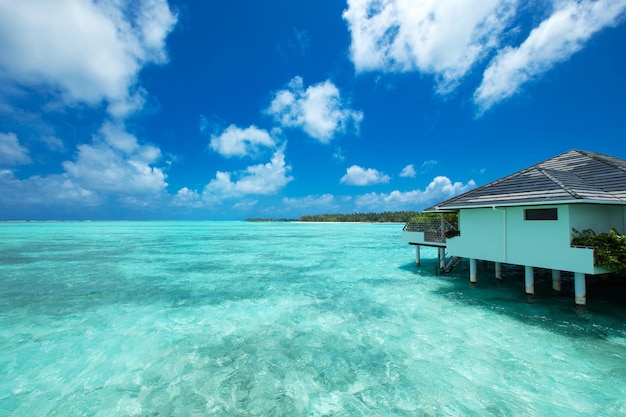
267	220
384	217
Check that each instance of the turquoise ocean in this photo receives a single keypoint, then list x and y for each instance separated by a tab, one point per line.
289	319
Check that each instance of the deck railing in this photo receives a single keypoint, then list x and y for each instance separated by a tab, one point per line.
434	228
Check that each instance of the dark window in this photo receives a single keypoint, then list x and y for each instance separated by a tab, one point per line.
541	214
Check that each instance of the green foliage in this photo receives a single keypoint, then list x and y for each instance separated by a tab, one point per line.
265	220
385	217
609	248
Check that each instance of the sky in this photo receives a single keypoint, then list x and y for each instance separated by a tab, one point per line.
227	110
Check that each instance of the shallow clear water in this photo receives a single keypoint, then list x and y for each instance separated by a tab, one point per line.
288	319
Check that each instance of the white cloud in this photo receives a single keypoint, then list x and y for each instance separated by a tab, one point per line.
408	172
447	38
11	152
187	198
44	191
235	141
116	136
318	110
355	175
312	203
88	51
245	205
262	179
444	38
155	21
123	106
113	164
116	163
555	40
440	188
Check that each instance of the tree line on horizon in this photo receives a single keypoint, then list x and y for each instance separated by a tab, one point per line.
384	217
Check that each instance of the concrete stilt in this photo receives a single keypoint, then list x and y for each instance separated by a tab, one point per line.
442	258
472	263
498	270
556	280
580	289
530	279
418	258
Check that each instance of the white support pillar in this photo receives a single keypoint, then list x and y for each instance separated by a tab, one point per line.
530	279
498	271
556	280
472	263
418	259
442	258
580	288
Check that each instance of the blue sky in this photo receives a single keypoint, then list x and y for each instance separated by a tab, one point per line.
149	109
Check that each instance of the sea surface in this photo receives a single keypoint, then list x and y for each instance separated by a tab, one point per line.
289	319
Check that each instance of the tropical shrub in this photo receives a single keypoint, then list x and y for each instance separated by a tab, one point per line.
609	248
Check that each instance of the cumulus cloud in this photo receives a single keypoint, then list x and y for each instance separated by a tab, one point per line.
444	38
93	51
11	152
187	198
449	38
43	191
408	172
84	52
312	203
355	175
318	110
262	179
234	141
555	40
440	188
116	163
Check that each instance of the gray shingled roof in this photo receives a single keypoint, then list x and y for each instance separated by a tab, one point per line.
574	176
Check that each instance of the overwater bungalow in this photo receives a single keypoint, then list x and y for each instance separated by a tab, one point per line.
528	218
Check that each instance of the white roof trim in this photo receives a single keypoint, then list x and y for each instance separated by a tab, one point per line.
434	209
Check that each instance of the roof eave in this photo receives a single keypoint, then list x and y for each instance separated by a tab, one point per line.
448	209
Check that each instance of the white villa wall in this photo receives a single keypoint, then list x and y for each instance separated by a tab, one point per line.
597	217
482	235
413	237
486	235
540	243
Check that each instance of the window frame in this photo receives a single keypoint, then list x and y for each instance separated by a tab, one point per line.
541	214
